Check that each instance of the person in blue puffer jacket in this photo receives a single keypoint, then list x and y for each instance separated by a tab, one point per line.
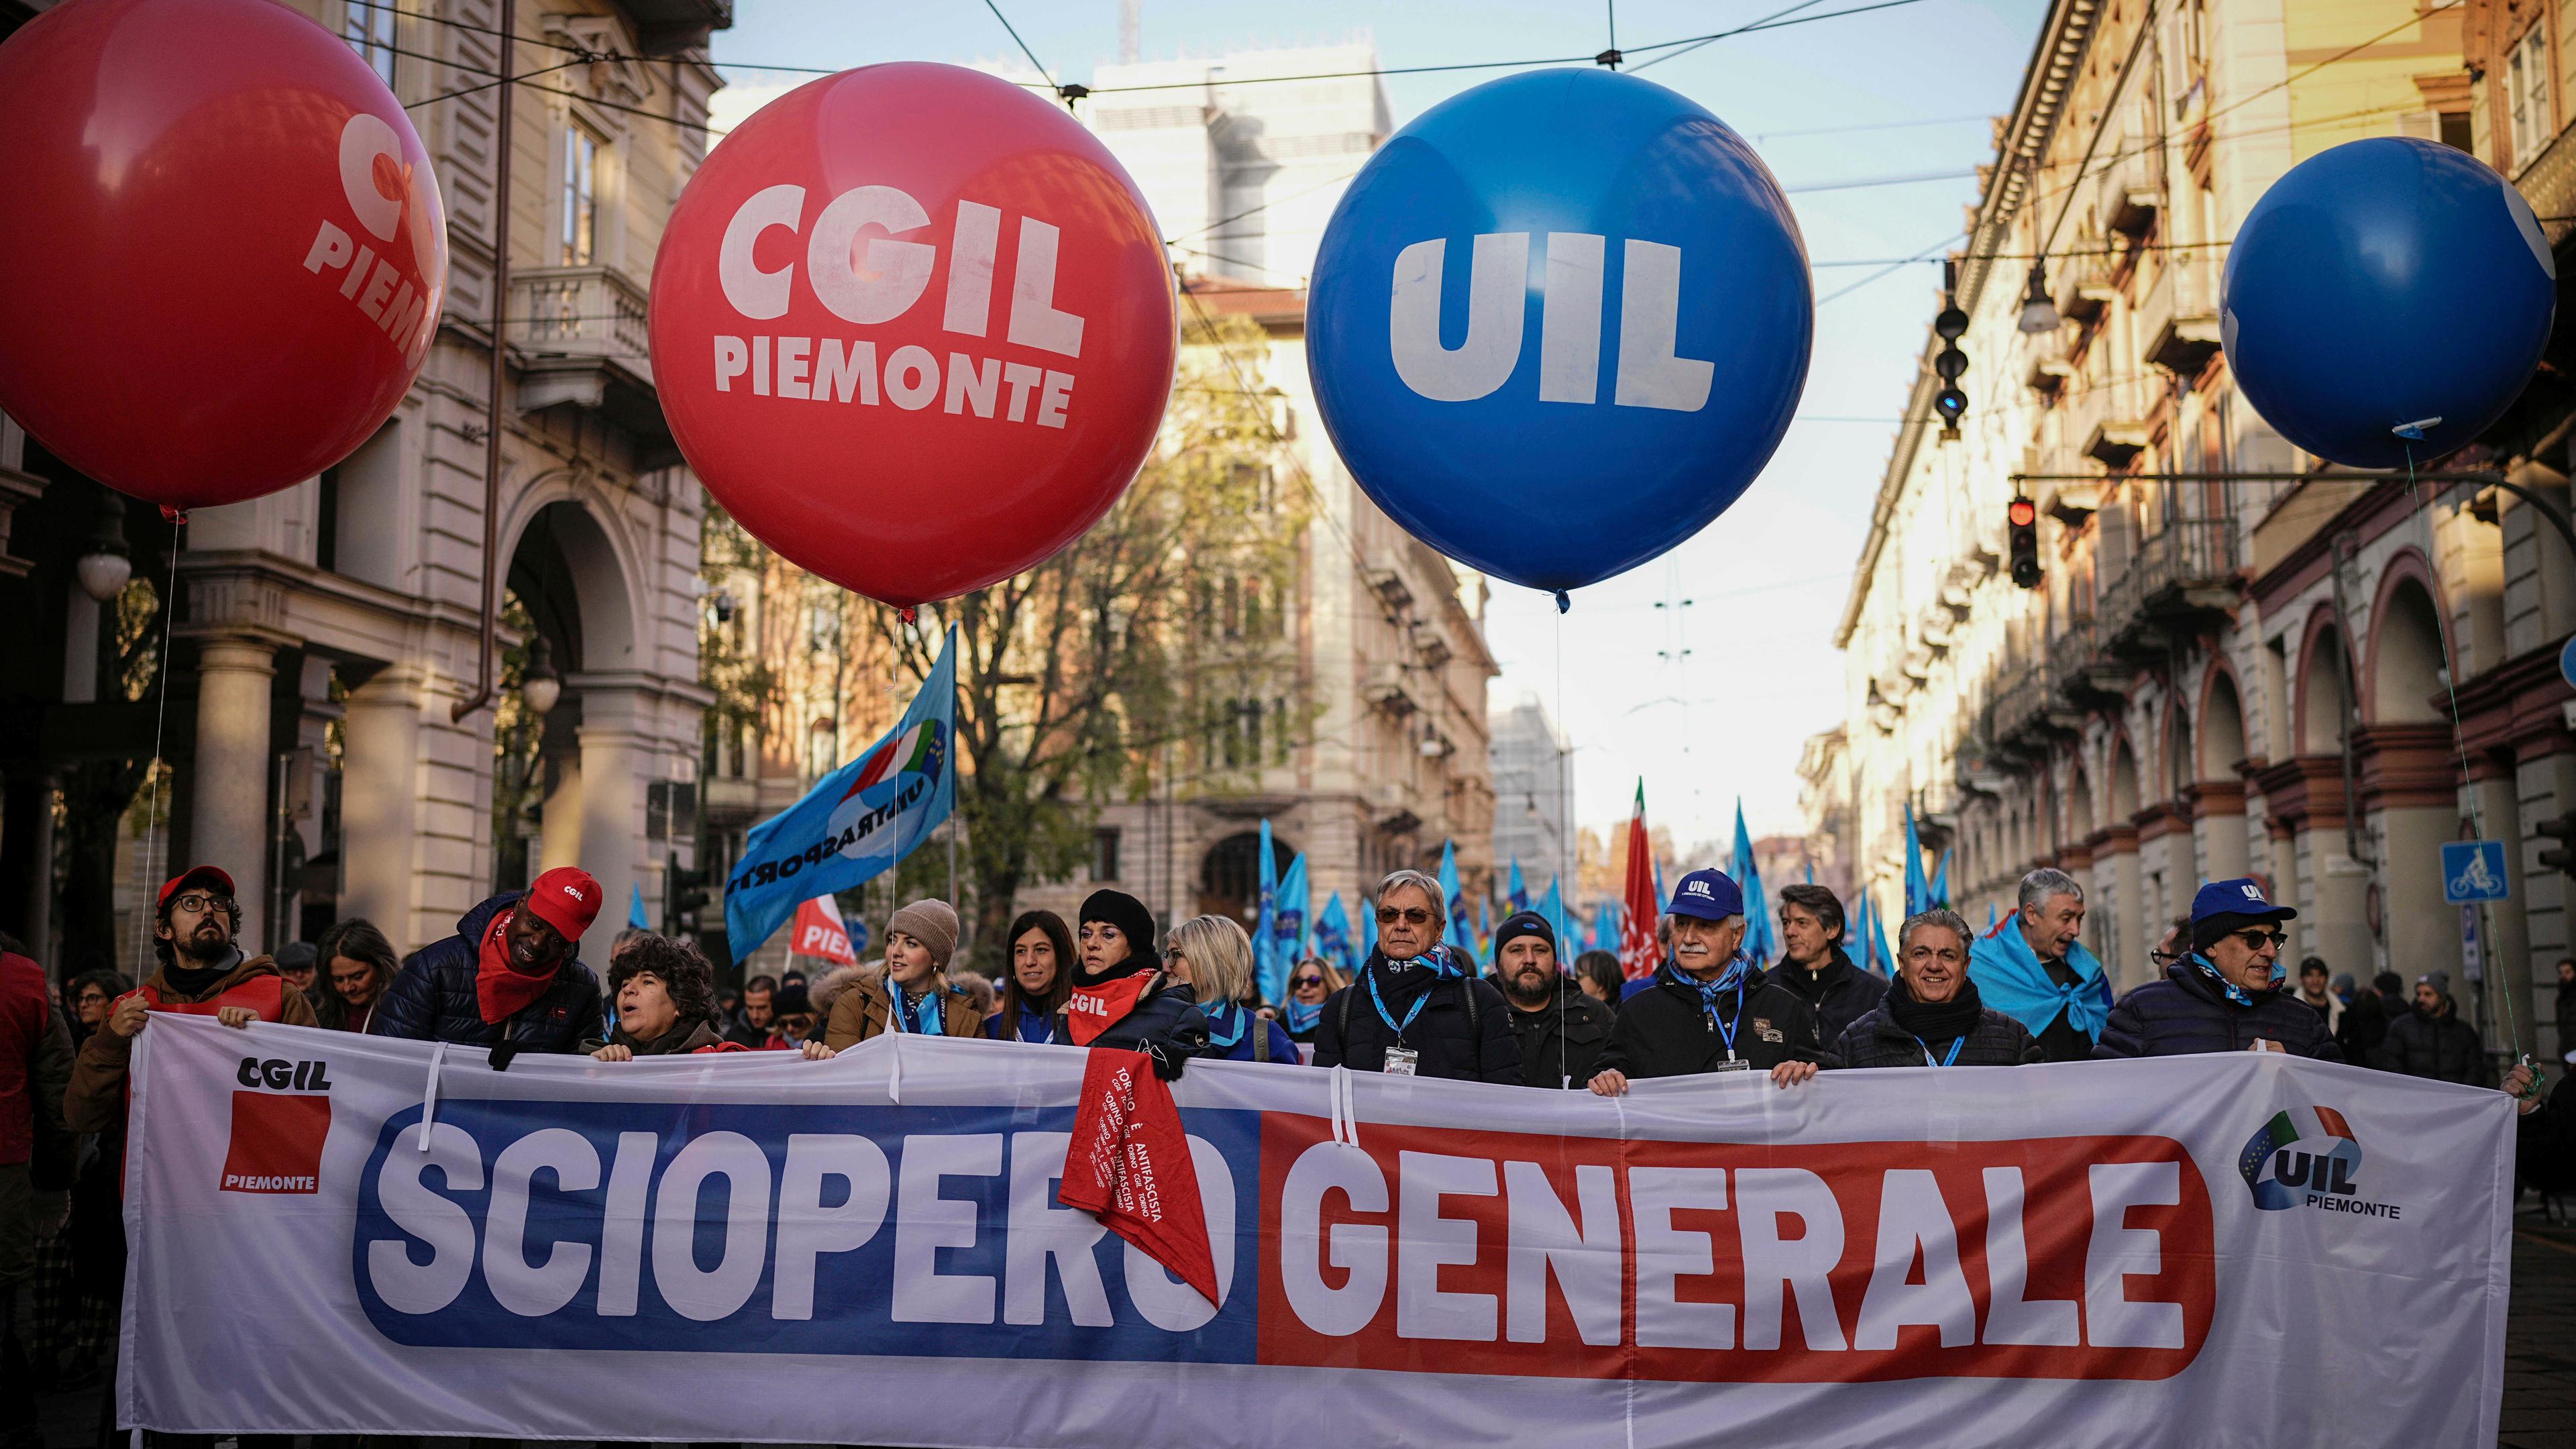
510	976
1214	956
2225	994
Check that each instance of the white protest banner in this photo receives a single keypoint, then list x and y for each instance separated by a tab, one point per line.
2222	1250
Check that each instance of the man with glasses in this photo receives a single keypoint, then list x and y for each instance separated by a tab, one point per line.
2225	993
1418	1009
203	973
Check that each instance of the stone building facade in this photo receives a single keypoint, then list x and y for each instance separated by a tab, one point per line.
2240	660
326	635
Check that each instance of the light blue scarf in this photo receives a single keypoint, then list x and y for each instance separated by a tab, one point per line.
2010	980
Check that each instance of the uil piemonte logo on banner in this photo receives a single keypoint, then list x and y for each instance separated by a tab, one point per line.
2307	1155
279	1125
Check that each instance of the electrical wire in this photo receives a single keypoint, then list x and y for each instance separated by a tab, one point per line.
1024	49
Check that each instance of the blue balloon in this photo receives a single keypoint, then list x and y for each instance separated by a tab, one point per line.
2385	284
1559	323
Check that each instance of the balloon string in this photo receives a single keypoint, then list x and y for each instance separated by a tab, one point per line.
160	722
2451	689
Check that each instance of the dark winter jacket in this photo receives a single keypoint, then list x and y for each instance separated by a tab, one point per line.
2544	1150
1242	1036
2364	1028
1839	994
1665	1031
2442	1048
1561	1042
1353	1034
2188	1013
2567	1016
433	998
1877	1041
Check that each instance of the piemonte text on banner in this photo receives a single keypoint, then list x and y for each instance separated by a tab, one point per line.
856	822
2239	1249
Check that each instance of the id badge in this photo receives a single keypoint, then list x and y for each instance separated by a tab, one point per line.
1733	1064
1400	1060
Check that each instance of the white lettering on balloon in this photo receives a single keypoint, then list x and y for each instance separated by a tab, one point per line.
1651	373
402	306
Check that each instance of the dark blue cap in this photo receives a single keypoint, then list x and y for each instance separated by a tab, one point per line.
2242	896
1707	894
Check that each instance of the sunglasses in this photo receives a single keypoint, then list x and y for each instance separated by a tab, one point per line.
1304	981
1389	915
2256	938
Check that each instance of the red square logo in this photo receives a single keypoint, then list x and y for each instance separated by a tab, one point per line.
277	1143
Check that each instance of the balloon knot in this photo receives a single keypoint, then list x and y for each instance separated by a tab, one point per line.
1563	601
906	613
176	516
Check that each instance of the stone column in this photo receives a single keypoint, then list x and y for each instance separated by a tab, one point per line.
379	803
2218	823
2115	874
2508	928
228	822
616	762
2410	785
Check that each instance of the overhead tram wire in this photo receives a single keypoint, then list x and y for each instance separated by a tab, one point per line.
1694	45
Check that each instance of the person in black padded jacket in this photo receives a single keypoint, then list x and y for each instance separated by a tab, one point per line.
1418	1008
1930	1016
509	978
1706	1010
1121	998
2225	995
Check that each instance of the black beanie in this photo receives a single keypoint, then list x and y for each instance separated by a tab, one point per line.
1128	914
1519	924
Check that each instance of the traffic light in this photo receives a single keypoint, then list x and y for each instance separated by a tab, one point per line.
1950	362
691	892
2023	517
2562	830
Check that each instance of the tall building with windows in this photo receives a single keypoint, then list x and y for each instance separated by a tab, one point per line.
2240	659
327	741
1533	797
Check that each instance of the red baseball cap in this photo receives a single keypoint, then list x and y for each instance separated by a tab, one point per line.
566	899
195	875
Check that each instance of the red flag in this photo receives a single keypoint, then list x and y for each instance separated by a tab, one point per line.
1638	953
1129	1166
819	932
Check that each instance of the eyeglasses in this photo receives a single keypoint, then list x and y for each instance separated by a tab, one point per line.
1301	982
200	902
1175	957
90	998
1389	915
2255	938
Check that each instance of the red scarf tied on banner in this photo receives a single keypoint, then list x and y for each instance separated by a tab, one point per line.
1091	1010
1129	1166
501	989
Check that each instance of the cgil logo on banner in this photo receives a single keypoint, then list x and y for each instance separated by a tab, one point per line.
937	1231
277	1133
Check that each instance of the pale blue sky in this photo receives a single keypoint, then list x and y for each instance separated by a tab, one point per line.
1769	577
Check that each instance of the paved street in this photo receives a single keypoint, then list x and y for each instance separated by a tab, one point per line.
2539	1378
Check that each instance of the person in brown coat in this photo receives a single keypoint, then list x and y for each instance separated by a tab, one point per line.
919	939
203	973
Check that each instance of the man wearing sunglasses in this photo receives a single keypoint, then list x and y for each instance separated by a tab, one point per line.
2225	994
1418	1008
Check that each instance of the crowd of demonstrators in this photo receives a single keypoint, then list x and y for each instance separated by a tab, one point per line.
509	979
1212	956
912	995
1813	966
1560	1027
2033	968
1706	1009
1040	979
1311	983
1418	1008
2225	994
1931	1015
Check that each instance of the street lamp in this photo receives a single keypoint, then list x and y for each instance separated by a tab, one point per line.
105	567
2038	313
539	686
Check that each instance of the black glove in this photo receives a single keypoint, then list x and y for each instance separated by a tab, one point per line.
1168	1057
503	1054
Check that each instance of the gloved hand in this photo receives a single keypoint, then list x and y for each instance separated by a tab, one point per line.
1168	1057
503	1054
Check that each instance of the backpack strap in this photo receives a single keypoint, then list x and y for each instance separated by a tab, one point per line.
1475	1028
1345	1023
1260	1040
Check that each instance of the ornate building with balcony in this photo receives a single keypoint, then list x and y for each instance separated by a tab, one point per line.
2238	660
328	738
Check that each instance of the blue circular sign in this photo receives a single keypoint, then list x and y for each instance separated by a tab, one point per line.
2385	284
1559	323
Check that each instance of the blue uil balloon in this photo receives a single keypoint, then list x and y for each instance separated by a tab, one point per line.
1559	323
2383	285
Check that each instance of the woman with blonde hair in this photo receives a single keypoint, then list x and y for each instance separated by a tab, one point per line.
1214	956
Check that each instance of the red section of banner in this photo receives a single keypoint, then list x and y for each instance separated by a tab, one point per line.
1453	1252
1128	1164
276	1143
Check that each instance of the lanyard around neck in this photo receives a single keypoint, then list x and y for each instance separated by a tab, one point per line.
1955	1044
1379	1000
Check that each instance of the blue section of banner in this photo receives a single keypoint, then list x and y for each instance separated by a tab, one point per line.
902	1231
856	822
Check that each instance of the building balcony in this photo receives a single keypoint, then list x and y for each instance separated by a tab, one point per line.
2087	675
2549	184
2084	288
2022	718
1397	806
2177	581
2131	188
663	27
582	342
1390	691
2178	317
2107	421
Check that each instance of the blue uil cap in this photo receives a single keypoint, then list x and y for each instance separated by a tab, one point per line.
1707	894
2242	896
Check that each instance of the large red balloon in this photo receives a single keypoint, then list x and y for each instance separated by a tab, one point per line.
911	325
221	248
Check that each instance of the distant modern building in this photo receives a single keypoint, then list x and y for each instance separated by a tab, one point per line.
1533	798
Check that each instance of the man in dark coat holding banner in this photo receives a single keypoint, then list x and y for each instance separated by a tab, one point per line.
2225	994
508	977
1706	1010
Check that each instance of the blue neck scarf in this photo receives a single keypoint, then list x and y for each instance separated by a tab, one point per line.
1728	981
1302	1017
1219	1032
918	1015
2235	993
2010	979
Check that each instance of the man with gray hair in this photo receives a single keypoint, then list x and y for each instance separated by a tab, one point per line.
2032	969
1931	1015
1418	1008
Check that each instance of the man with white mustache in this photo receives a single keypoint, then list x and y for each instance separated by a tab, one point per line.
1706	1010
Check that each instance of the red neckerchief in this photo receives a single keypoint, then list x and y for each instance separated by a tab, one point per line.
1091	1010
1128	1164
501	989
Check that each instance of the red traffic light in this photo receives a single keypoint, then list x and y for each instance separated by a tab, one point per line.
2023	513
